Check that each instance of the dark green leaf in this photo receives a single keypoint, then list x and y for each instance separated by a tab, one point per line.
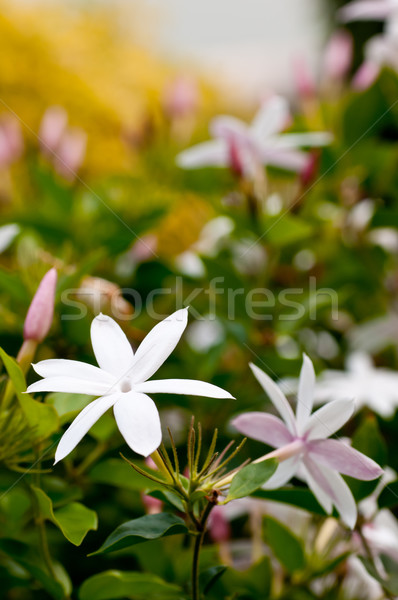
209	577
149	527
250	478
111	585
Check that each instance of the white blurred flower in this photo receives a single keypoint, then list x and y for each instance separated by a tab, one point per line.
374	387
205	334
244	148
7	235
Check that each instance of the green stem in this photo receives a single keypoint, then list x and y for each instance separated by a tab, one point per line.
41	528
197	548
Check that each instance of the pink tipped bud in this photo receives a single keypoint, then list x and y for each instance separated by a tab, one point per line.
52	128
365	76
181	97
219	527
70	153
305	81
338	56
41	310
11	141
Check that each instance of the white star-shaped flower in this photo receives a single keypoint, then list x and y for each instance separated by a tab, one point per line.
244	148
301	440
374	387
121	381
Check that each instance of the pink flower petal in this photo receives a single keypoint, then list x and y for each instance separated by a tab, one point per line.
264	428
344	459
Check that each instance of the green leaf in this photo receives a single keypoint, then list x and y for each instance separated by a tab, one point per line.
389	496
210	576
368	440
250	478
68	405
295	496
391	568
285	546
28	560
254	583
111	585
74	520
149	527
289	230
41	417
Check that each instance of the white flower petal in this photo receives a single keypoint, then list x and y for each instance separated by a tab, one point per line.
189	387
83	422
311	476
291	160
158	345
138	421
305	395
276	396
299	140
342	458
272	117
111	347
225	126
329	418
59	367
366	10
284	473
336	488
71	385
208	154
264	428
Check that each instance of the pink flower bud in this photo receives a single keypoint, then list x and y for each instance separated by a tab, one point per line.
52	128
41	310
181	97
70	153
305	82
338	56
365	76
11	141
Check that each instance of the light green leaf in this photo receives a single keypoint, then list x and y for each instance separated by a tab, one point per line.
119	473
286	547
251	478
289	230
111	585
74	520
41	417
149	527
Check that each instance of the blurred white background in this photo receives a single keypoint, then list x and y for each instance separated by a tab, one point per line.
250	42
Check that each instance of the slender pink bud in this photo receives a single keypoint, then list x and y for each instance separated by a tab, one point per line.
41	310
181	97
52	128
365	76
71	152
338	56
11	141
305	82
152	505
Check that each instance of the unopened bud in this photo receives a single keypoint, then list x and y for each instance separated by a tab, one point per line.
41	310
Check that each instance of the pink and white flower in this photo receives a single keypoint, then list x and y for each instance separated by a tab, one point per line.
244	148
122	381
302	443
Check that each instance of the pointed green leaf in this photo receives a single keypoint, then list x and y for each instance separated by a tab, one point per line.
149	527
210	576
41	417
111	585
295	496
74	520
287	547
251	478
